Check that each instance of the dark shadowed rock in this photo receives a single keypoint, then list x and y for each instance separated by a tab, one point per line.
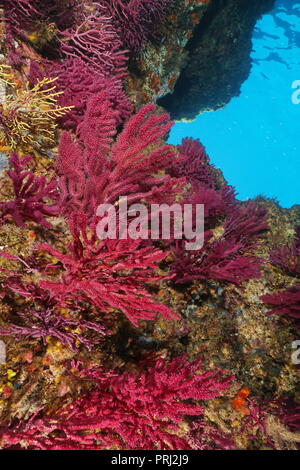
218	60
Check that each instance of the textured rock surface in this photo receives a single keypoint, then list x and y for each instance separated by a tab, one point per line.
202	52
217	58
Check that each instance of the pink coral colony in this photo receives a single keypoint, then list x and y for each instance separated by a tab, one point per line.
73	302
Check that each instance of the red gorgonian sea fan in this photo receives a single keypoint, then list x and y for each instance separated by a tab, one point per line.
289	413
110	274
43	318
194	164
135	410
23	14
204	436
137	20
287	258
95	170
217	197
228	255
96	42
285	302
232	230
78	82
32	194
45	324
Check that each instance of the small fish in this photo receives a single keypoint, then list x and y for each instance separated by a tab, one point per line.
265	76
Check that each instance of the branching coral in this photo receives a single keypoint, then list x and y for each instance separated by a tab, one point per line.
21	11
137	20
27	116
31	194
284	302
110	274
95	41
25	15
46	324
78	82
92	169
287	258
42	316
194	164
232	232
153	401
70	76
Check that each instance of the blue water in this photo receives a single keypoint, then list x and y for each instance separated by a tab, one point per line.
255	139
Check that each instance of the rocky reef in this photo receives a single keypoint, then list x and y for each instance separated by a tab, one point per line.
217	58
136	343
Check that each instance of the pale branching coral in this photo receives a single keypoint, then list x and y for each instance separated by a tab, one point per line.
27	117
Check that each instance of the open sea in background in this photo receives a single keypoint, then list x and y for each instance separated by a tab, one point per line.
255	139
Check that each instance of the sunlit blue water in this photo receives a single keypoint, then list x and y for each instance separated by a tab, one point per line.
255	139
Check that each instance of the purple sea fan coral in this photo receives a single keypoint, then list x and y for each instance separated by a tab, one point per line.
287	258
136	410
41	316
31	194
137	20
196	167
20	13
217	260
110	274
232	231
246	224
38	20
289	413
204	436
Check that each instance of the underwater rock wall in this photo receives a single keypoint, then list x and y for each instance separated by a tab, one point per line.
135	343
217	58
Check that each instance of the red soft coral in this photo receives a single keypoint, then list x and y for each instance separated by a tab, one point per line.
31	195
110	273
93	170
232	230
194	164
141	410
287	258
226	255
96	42
285	302
78	83
43	319
137	20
